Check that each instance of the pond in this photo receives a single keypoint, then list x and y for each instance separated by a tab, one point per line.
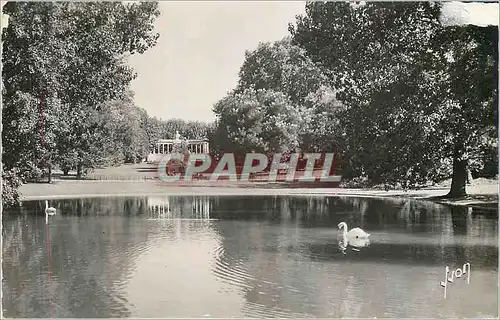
247	257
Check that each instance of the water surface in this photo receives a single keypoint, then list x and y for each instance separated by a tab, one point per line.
247	257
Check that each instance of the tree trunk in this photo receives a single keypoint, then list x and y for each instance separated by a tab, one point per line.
459	179
50	173
79	171
65	172
469	176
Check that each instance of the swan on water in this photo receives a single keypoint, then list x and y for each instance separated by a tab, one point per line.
49	211
355	233
356	237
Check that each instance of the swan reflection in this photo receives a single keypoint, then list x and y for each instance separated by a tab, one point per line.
356	244
179	207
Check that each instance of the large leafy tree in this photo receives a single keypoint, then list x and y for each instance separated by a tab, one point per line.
402	107
283	67
63	62
127	140
150	126
258	120
468	91
366	50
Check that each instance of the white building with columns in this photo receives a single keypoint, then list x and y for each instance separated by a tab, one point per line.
165	146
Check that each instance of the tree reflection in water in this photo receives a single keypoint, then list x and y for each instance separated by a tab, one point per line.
406	236
279	254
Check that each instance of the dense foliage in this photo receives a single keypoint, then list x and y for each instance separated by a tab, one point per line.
10	188
61	63
402	97
66	97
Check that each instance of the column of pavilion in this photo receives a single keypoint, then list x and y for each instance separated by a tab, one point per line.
167	147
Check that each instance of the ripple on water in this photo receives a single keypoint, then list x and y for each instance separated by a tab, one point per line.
327	252
256	310
119	306
264	270
229	270
234	272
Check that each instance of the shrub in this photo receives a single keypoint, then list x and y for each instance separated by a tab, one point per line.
10	188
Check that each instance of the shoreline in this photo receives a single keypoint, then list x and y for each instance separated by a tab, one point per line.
481	195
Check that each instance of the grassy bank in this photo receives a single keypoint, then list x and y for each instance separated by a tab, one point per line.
140	180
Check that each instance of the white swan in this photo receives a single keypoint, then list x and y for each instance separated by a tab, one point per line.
355	233
49	211
356	237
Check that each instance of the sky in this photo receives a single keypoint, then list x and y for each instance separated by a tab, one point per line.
200	51
202	46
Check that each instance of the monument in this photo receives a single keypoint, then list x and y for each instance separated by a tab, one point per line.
165	146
